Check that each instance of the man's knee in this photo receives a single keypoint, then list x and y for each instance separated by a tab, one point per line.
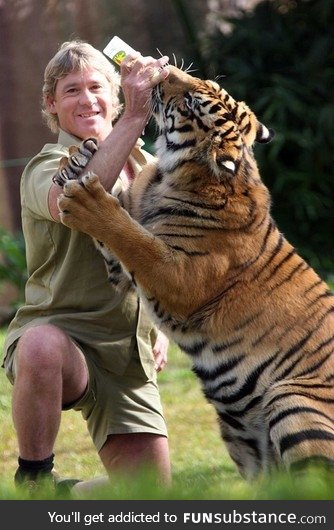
40	346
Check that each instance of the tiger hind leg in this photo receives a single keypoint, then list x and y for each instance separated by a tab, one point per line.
301	425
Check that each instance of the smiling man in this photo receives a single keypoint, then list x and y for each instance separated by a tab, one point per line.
76	343
83	104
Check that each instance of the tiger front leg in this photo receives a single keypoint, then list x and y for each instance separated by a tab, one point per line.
72	166
155	267
115	273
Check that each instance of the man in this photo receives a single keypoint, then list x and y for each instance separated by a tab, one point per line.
76	343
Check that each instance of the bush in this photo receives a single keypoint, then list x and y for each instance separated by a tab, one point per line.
280	60
13	267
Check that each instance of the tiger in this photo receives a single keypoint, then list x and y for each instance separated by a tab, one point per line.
195	237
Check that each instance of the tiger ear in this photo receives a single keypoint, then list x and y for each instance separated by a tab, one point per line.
227	164
222	154
221	160
263	134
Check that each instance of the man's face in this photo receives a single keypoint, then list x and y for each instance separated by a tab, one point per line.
83	104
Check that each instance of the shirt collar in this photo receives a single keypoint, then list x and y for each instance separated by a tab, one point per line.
67	139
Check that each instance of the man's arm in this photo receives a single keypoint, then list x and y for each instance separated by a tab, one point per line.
114	151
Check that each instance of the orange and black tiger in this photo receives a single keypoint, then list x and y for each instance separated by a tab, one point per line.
200	246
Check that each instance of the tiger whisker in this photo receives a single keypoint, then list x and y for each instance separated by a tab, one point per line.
218	77
149	104
189	69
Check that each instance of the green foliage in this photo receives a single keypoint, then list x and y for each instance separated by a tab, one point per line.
13	267
280	60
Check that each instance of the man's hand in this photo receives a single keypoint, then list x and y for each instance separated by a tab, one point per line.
139	75
160	350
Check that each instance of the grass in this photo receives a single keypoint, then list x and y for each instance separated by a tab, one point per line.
201	466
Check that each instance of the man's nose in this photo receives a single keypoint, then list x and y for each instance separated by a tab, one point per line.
86	97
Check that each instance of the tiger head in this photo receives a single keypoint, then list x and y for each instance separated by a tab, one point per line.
199	120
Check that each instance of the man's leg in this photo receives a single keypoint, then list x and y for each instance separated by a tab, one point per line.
50	371
130	454
126	456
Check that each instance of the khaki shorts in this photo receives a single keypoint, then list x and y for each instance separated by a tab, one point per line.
112	403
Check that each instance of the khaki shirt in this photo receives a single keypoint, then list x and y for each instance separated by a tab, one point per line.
67	284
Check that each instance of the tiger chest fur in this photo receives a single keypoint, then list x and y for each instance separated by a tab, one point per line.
195	237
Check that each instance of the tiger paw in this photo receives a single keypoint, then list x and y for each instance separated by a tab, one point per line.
85	205
72	166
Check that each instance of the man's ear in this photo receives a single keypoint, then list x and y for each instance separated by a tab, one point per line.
51	104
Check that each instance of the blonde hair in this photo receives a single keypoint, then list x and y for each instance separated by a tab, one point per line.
74	56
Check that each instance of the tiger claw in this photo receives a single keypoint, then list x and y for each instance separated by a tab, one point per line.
71	167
